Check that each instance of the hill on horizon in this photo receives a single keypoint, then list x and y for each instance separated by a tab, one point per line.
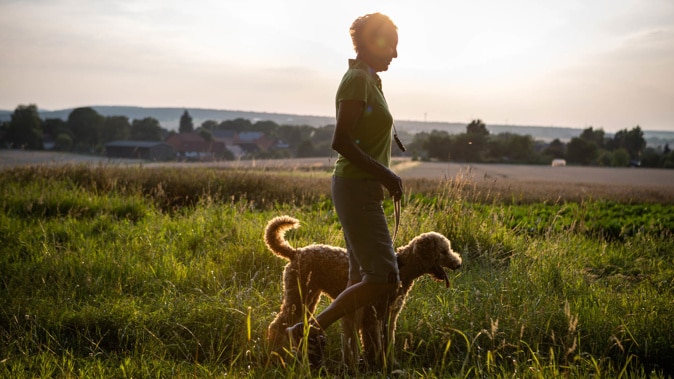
169	118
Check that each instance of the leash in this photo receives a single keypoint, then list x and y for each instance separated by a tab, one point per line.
396	203
396	211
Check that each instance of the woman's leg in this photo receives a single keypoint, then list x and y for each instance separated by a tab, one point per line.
373	267
352	299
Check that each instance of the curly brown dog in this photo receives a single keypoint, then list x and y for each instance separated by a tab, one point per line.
322	269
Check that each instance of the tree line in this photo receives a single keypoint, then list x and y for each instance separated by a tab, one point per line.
293	140
591	147
87	131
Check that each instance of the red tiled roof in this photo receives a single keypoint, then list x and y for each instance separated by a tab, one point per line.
193	142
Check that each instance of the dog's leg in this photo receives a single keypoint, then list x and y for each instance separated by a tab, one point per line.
371	337
276	331
387	335
389	329
309	306
289	314
298	304
350	346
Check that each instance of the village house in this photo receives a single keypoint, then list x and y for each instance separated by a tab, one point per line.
148	150
244	142
194	147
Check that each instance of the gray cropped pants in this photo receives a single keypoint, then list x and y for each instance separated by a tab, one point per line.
358	203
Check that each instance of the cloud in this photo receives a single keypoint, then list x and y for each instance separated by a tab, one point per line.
607	62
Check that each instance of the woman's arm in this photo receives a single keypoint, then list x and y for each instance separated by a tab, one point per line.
348	113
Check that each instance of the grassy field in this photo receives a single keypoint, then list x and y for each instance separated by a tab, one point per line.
162	272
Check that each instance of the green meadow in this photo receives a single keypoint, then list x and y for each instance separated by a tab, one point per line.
162	272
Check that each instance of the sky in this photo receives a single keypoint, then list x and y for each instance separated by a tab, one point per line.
572	63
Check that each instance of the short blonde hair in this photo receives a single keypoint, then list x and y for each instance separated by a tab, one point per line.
372	22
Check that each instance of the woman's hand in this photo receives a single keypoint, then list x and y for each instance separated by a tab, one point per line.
394	184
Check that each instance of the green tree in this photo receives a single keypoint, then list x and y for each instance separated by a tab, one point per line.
581	151
521	147
497	147
306	149
209	125
63	142
620	158
510	146
293	135
592	135
631	140
115	128
53	127
585	149
323	134
477	128
477	134
206	134
323	149
147	129
416	147
25	128
4	128
236	125
266	127
651	157
186	124
466	148
85	125
438	145
322	140
604	158
668	160
555	149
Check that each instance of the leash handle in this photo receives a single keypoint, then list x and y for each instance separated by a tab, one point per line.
396	211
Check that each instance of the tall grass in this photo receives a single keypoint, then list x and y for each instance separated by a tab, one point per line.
112	272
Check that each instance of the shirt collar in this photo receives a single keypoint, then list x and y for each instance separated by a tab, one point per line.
356	63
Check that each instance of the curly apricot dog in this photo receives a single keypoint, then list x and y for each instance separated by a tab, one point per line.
322	269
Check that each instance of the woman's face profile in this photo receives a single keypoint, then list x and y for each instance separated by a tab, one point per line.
381	46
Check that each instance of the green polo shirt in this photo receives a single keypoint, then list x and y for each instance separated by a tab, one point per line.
373	131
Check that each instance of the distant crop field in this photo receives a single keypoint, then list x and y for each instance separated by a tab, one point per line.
519	182
640	177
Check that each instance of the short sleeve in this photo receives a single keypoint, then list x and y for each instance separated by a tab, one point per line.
353	86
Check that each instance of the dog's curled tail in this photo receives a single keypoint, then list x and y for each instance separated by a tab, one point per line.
274	236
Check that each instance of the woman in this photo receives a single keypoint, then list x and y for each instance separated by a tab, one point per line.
363	140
